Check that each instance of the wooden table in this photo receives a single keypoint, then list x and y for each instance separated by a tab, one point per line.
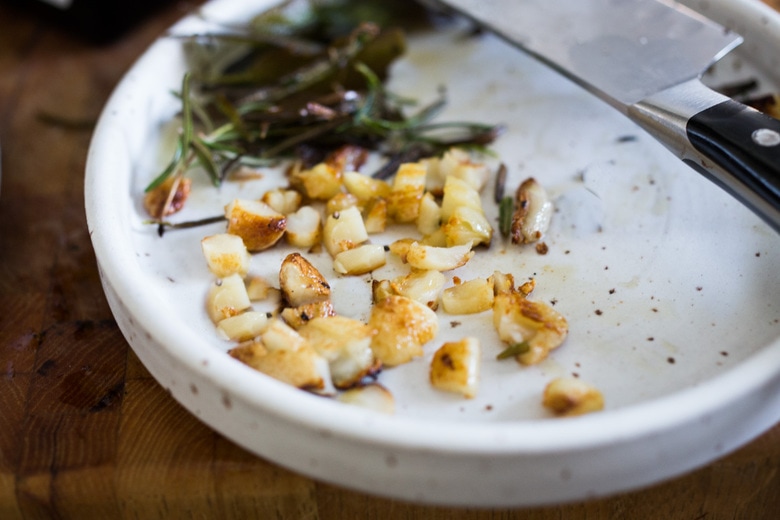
85	432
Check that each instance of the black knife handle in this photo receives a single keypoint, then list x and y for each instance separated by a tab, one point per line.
745	143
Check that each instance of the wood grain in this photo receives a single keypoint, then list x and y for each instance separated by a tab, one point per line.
85	432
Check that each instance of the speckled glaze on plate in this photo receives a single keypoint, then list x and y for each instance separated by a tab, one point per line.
670	288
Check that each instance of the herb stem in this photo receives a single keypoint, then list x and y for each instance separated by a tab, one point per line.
505	212
162	225
287	82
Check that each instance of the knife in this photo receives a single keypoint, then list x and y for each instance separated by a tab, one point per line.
646	58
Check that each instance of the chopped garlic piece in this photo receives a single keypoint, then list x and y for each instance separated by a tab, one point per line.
364	187
297	317
533	214
426	258
301	282
304	227
422	286
375	215
344	230
429	217
360	260
340	202
503	283
522	321
403	202
321	182
283	354
282	201
346	344
469	297
400	247
169	197
372	396
225	254
402	326
568	396
458	194
255	222
455	367
244	326
467	226
457	163
227	297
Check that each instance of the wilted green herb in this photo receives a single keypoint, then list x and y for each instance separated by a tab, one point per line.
306	75
514	350
505	210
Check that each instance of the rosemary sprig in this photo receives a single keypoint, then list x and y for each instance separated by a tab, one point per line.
162	225
333	95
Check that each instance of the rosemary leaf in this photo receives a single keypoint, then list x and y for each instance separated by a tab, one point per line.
373	95
514	350
301	137
233	115
505	211
206	160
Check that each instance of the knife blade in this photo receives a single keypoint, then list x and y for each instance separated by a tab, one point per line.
646	59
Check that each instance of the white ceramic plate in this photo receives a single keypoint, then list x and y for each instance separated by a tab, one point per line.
670	288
